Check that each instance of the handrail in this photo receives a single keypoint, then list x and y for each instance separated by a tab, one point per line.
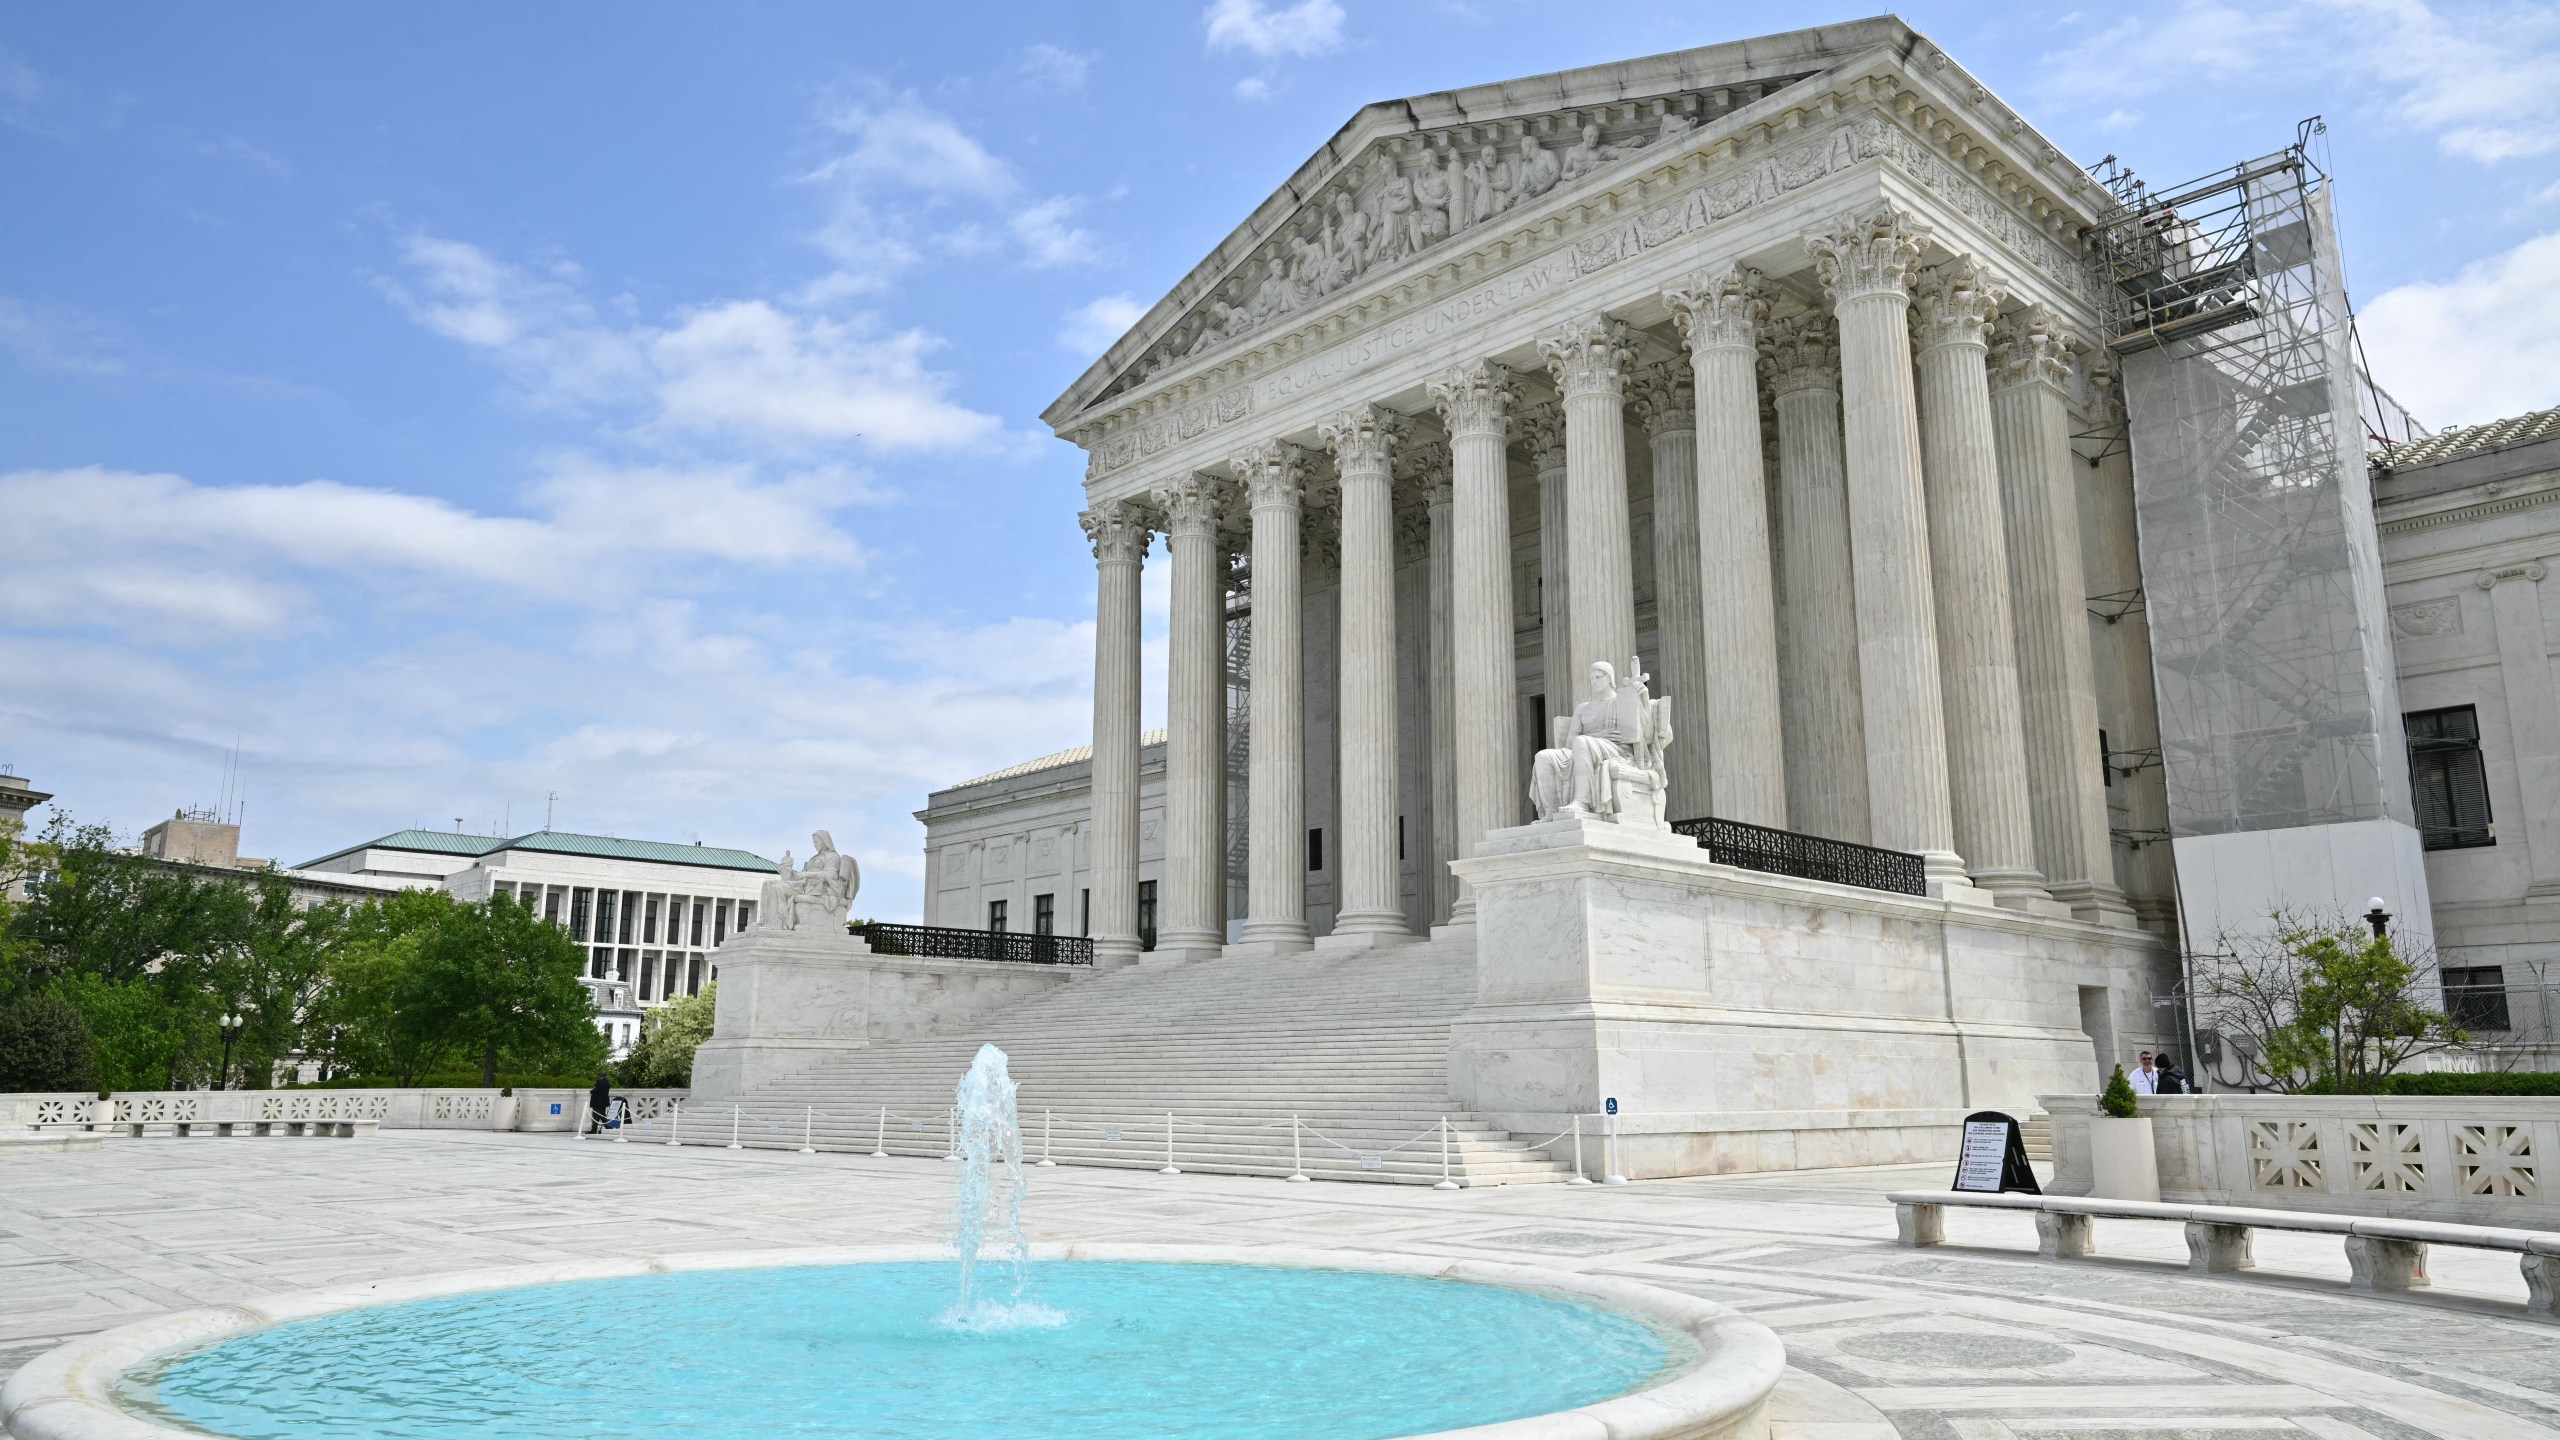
936	942
1806	857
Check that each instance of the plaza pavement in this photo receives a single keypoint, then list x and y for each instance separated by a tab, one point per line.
1976	1341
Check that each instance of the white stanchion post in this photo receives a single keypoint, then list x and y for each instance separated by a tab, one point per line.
1445	1182
1613	1177
1297	1155
1578	1177
735	1115
1047	1122
1169	1167
880	1142
808	1120
675	1123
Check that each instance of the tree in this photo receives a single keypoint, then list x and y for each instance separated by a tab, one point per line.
364	1022
45	1045
2320	1006
2118	1099
668	1038
497	982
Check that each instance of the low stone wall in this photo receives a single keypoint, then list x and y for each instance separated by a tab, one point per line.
2471	1159
224	1111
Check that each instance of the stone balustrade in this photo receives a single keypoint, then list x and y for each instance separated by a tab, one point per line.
318	1112
2484	1160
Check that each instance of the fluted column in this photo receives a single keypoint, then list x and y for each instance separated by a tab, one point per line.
1473	400
1441	699
1276	816
1866	261
1589	361
1826	736
1362	440
2058	692
1542	436
1986	744
1119	536
1192	902
1665	404
1719	317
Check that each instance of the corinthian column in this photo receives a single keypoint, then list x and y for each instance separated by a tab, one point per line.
1826	736
1589	361
1119	549
2040	513
1865	261
1542	435
1472	399
1195	848
1276	813
1666	405
1362	440
1986	746
1719	318
1441	763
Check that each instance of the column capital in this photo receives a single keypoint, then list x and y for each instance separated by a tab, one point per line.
1361	438
1952	304
2530	571
1541	429
1118	532
2029	346
1590	356
1664	398
1867	252
1273	472
1192	505
1801	352
1473	399
1718	309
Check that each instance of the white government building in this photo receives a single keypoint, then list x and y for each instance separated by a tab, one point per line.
2000	538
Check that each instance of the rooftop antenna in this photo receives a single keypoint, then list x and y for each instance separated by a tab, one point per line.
509	823
548	798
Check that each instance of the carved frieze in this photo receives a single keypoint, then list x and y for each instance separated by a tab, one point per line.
2428	618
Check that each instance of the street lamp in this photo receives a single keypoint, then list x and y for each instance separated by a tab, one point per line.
232	1025
2379	918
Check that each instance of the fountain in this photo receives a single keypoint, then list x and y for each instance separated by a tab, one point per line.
1187	1342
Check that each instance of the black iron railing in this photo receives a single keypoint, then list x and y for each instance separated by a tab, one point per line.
935	942
1807	857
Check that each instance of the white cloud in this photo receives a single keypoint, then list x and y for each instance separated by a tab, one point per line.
2481	346
1253	87
1310	27
49	339
1089	329
902	149
1047	239
2483	81
24	94
899	139
1055	69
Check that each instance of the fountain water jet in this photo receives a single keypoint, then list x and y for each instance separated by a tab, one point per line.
988	1144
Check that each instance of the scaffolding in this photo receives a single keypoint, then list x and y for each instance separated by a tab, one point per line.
2249	420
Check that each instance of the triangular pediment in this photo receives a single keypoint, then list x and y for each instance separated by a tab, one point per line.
1406	177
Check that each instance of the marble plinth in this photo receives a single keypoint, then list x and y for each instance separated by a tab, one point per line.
1745	1021
790	1000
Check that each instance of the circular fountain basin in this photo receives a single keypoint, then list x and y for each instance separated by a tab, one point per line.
1213	1343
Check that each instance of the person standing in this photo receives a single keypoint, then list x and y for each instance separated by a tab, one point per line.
600	1099
2146	1078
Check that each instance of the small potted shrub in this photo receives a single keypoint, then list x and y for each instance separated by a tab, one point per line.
2122	1164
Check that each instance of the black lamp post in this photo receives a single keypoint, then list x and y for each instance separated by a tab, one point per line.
232	1025
2379	918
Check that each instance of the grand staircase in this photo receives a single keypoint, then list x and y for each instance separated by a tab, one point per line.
1354	1045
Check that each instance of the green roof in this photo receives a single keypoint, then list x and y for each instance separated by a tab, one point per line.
556	842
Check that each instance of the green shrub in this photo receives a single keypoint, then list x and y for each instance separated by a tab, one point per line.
452	1080
2526	1082
2117	1099
45	1044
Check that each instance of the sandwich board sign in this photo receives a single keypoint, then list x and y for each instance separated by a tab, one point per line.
1993	1156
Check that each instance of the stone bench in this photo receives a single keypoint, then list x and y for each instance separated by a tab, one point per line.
341	1129
2382	1254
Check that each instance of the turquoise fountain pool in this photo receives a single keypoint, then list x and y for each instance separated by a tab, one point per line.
1204	1351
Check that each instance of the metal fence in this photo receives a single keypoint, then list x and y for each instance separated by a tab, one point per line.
936	942
1806	857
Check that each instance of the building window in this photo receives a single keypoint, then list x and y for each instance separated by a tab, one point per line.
1084	908
648	974
2444	770
720	922
1146	914
551	904
693	976
630	915
995	915
1399	837
1044	914
649	927
580	903
1315	851
2476	996
2106	760
746	914
698	907
605	901
595	965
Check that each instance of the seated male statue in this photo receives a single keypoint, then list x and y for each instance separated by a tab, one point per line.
1607	760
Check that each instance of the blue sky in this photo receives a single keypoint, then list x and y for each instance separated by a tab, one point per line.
453	406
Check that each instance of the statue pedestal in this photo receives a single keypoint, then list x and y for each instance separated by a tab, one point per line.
792	1000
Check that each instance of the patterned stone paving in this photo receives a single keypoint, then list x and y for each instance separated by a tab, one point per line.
1976	1341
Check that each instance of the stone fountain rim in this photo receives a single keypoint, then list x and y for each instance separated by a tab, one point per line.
67	1393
